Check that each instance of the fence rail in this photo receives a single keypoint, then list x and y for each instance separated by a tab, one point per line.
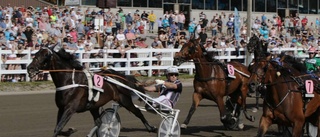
144	55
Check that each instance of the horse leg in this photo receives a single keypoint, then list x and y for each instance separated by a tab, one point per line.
96	115
64	115
265	121
196	100
264	124
127	103
297	128
244	90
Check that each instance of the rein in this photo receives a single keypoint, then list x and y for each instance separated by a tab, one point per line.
275	83
63	70
67	70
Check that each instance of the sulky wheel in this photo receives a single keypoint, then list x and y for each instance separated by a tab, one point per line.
232	123
312	130
109	127
165	128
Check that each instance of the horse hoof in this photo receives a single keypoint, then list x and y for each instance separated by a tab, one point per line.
253	119
153	129
254	110
72	130
68	132
241	126
183	126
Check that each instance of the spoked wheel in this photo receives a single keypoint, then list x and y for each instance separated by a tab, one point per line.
312	130
109	127
165	128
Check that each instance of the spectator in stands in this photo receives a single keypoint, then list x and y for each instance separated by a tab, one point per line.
152	19
121	54
181	20
29	32
129	19
163	38
230	27
159	22
3	41
141	43
203	36
144	15
214	27
71	44
191	28
264	32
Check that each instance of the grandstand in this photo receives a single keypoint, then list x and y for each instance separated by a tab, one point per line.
192	8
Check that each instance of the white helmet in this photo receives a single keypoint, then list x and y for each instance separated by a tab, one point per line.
173	69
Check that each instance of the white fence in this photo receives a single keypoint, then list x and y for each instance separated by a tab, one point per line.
144	55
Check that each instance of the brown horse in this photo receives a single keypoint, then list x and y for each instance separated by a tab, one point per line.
280	86
312	105
72	85
211	82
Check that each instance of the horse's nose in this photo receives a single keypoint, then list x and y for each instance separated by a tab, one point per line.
252	86
30	68
175	61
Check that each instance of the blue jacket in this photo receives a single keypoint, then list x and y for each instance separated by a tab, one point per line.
264	33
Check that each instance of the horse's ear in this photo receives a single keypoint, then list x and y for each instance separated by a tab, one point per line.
198	39
57	48
192	36
269	57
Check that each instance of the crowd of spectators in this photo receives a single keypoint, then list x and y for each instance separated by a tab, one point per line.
77	29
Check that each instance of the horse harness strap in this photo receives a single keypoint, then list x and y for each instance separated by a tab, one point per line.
90	86
70	86
282	100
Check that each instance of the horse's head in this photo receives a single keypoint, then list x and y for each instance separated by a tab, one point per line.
188	51
253	42
259	74
40	61
257	46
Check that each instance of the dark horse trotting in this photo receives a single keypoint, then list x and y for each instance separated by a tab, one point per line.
211	82
72	84
283	90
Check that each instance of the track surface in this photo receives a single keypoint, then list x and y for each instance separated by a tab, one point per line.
34	115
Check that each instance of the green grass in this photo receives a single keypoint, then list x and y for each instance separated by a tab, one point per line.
33	84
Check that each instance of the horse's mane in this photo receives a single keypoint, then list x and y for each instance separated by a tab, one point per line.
68	58
294	62
209	56
257	46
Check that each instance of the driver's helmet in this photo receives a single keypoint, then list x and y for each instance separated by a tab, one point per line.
312	50
173	70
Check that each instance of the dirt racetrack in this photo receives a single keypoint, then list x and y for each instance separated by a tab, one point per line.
34	115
